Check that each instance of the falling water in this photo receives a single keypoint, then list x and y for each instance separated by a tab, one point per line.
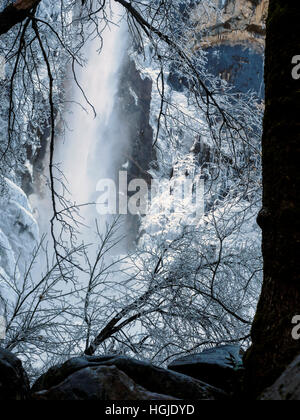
88	153
91	149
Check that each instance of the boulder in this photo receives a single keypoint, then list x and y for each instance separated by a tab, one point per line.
14	384
219	366
287	387
103	383
151	378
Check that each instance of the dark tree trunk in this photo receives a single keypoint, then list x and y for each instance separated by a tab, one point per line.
15	13
273	346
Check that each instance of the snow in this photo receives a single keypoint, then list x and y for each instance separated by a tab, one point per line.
222	356
19	233
188	252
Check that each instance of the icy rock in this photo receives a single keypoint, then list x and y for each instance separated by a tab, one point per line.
217	366
101	383
14	384
153	379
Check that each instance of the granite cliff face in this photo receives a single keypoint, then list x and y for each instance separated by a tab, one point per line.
232	32
235	43
240	22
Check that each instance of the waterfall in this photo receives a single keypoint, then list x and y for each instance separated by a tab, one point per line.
89	151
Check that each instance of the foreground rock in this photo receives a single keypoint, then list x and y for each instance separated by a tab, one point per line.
145	378
218	366
99	383
287	387
14	384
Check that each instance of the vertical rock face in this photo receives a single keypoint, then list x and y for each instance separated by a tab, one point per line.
234	40
133	105
133	129
240	65
239	21
135	101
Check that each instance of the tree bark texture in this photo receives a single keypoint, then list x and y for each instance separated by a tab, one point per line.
273	345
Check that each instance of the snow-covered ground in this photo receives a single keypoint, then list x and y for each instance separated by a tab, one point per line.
19	235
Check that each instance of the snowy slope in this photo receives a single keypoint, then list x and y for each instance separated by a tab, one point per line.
18	234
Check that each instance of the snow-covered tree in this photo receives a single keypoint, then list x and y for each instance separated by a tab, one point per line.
186	285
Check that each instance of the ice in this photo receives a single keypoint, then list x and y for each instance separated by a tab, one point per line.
19	234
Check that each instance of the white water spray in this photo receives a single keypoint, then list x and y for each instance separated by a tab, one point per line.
89	150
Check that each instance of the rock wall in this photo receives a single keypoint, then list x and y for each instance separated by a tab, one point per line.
132	131
234	40
240	21
135	102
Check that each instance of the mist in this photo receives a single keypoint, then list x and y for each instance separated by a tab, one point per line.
90	150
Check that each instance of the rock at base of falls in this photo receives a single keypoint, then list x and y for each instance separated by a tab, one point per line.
219	366
14	384
102	383
125	379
